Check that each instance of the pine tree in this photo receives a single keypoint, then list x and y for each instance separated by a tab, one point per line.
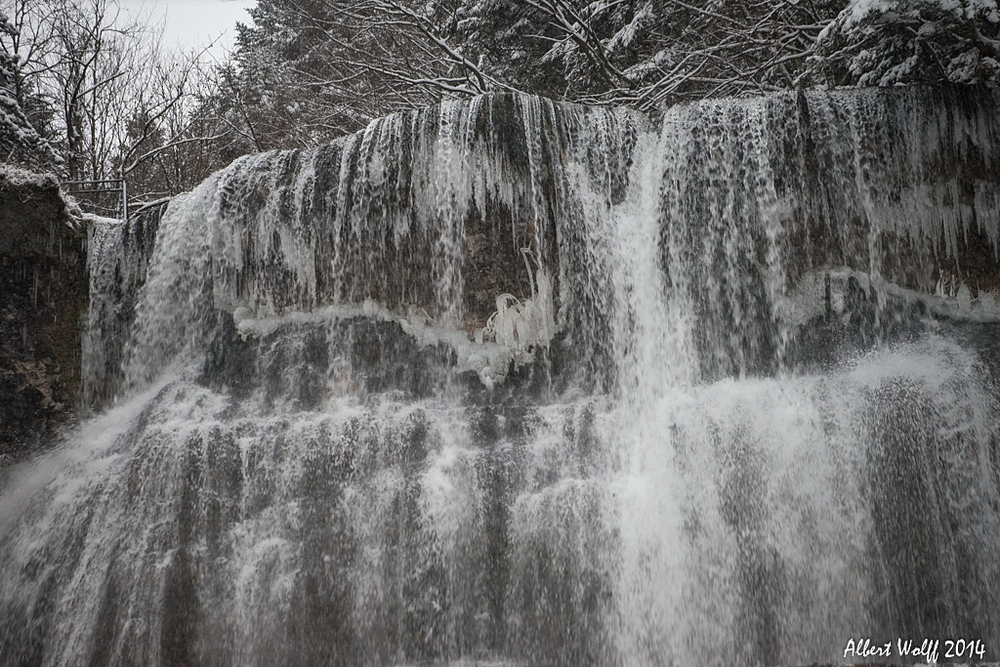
911	41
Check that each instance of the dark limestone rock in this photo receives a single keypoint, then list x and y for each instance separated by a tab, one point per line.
43	298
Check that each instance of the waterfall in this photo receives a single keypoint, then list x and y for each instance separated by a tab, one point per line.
507	381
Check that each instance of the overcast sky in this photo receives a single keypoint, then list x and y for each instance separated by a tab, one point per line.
194	23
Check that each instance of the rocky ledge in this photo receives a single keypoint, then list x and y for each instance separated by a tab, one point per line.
43	301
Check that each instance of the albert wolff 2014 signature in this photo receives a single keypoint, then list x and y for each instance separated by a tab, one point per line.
931	650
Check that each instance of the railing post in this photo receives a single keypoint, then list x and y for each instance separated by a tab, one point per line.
124	199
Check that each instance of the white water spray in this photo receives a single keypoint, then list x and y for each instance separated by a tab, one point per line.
721	416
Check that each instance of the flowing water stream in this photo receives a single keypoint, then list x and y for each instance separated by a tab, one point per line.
511	382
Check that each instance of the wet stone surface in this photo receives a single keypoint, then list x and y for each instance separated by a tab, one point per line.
43	296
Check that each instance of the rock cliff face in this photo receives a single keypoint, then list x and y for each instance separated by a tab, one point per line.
43	298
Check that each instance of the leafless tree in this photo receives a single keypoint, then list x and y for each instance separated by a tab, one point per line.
119	101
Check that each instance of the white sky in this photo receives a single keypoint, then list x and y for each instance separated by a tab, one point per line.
192	24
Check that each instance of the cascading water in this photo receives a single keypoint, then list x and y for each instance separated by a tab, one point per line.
519	382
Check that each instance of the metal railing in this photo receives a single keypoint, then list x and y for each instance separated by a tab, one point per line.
93	195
